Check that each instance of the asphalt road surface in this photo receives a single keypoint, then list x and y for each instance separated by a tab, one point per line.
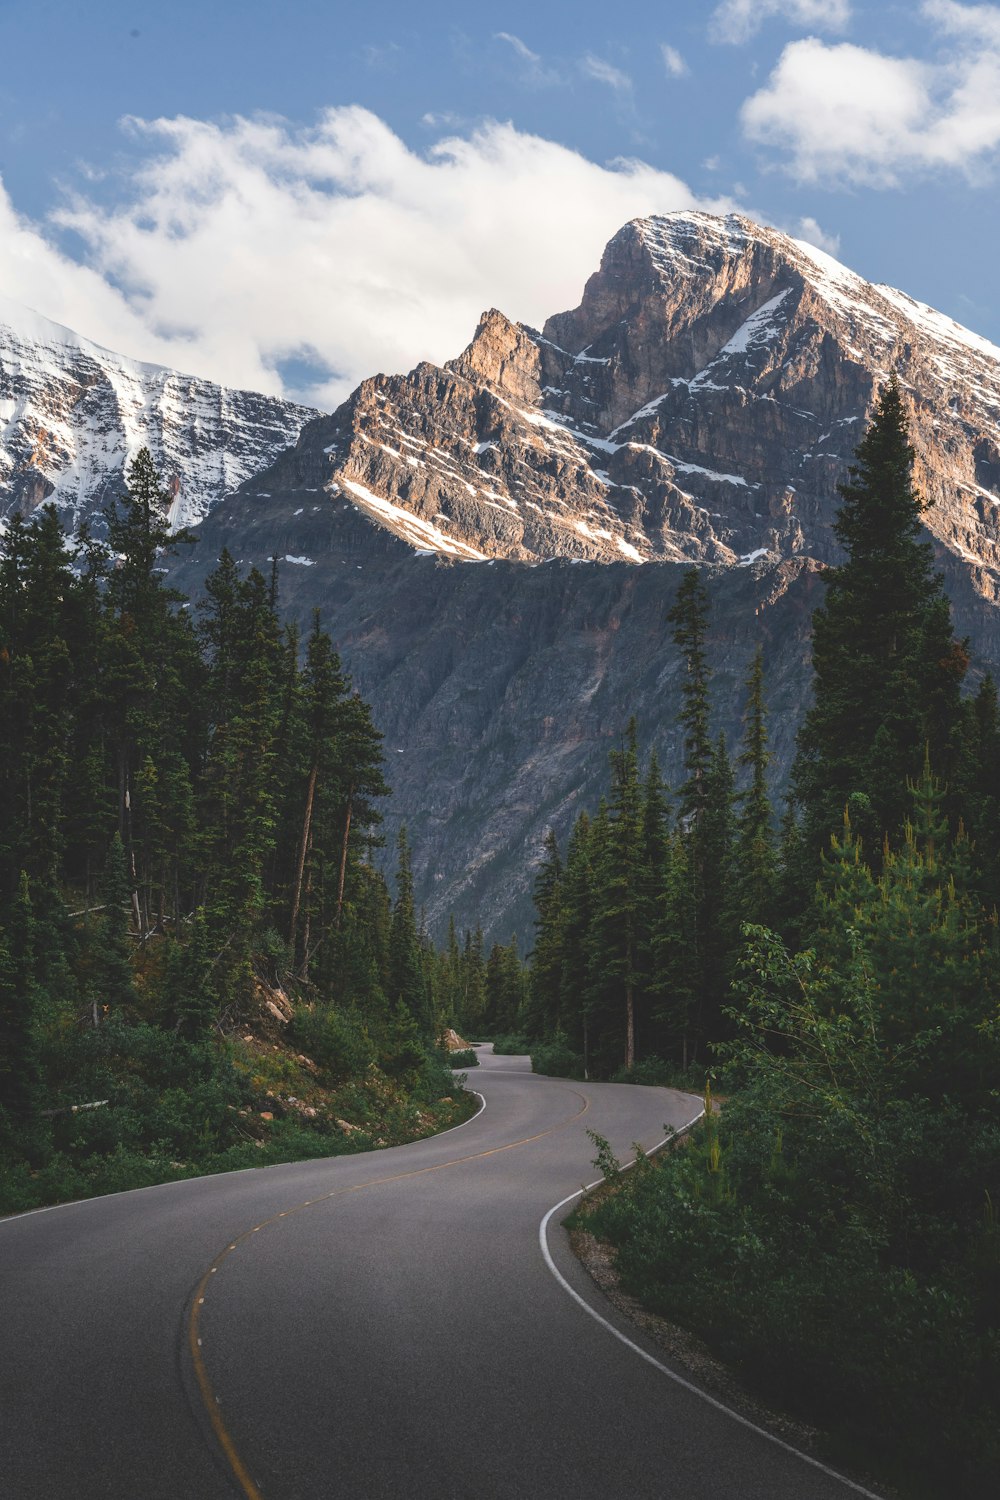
376	1327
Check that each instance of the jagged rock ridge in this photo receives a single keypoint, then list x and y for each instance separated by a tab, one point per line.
702	402
73	414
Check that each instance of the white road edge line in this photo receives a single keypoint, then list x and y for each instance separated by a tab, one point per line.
649	1358
152	1187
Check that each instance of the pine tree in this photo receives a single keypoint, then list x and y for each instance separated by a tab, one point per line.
654	866
20	1071
617	910
716	924
40	609
755	858
323	691
932	951
189	997
111	965
578	898
677	973
451	977
546	959
979	795
406	984
355	816
505	989
887	671
689	617
473	1002
238	791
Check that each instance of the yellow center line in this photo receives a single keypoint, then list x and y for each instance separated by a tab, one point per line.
208	1396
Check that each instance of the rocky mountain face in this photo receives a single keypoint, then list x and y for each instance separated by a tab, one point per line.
72	415
500	688
473	533
702	402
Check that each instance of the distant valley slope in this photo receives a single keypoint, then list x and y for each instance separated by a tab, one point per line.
473	533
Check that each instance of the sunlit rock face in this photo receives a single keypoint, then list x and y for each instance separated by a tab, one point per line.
494	543
472	533
72	416
702	403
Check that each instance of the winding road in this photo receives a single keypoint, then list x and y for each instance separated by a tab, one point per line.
388	1326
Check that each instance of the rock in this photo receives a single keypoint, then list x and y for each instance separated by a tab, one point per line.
702	402
451	1039
475	549
78	413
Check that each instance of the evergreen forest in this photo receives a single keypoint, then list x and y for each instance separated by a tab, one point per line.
200	966
833	1231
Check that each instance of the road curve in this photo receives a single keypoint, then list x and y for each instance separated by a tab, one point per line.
380	1326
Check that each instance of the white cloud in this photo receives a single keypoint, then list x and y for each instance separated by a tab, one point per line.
977	23
672	61
523	51
384	55
248	242
807	229
533	71
847	114
736	21
605	72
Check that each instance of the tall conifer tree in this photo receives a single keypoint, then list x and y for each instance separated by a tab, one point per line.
887	670
755	858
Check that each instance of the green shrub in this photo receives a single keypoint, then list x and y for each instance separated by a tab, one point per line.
654	1071
336	1040
557	1059
770	1242
464	1057
511	1046
435	1079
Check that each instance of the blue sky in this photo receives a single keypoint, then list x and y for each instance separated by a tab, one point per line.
292	196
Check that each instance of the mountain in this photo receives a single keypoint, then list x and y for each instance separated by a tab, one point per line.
473	532
702	402
73	414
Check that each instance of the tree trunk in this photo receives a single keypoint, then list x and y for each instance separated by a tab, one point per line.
301	862
629	1026
343	856
304	971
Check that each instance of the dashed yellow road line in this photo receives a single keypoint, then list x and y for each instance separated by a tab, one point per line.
209	1399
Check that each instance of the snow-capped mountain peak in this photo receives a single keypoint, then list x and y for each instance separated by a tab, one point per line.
73	414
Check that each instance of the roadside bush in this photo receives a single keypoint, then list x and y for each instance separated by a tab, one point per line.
464	1057
654	1071
435	1079
833	1233
557	1059
336	1040
511	1045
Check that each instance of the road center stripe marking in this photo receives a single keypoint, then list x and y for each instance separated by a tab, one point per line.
210	1400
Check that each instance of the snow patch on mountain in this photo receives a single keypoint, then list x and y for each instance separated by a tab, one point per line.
413	529
73	415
